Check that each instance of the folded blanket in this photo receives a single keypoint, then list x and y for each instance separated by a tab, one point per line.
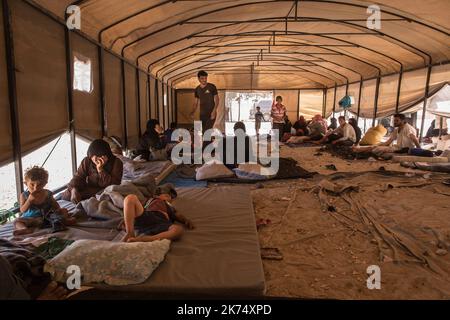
109	204
113	263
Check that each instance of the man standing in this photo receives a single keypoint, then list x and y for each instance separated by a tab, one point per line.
278	115
207	98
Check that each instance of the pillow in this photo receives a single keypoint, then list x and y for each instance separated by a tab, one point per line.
296	139
114	263
213	171
373	136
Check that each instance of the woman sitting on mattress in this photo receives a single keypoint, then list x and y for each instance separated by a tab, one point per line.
97	171
152	145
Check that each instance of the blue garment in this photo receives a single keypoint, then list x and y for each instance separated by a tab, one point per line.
38	210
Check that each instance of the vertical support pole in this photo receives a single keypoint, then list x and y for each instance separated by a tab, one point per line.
101	77
12	96
359	99
157	99
124	104
138	101
324	102
375	109
298	104
425	100
399	87
69	77
176	106
334	100
149	97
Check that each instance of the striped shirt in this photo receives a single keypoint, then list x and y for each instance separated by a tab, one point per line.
278	113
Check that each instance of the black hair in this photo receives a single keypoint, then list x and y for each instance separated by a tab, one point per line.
151	124
279	97
239	125
173	125
341	118
202	73
99	147
400	116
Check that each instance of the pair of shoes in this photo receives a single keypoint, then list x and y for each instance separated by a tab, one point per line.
271	253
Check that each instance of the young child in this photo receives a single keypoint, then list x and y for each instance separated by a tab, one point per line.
37	202
259	117
156	219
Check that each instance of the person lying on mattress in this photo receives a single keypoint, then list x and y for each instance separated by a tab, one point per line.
404	134
38	208
155	220
152	144
97	171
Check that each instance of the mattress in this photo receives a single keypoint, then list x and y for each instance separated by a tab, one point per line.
419	159
220	257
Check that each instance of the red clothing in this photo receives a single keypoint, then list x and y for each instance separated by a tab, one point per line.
278	113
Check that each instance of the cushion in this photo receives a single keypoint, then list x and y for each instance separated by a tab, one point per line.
419	159
113	263
373	136
253	171
296	139
213	171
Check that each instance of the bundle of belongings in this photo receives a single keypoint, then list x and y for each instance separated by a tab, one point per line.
251	172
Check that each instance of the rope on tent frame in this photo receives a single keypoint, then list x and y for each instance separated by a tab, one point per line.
51	151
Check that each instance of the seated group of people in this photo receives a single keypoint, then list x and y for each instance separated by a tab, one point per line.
317	131
155	219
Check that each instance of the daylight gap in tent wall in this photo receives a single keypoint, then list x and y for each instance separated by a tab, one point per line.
149	97
12	95
324	102
298	104
359	99
69	76
157	99
425	100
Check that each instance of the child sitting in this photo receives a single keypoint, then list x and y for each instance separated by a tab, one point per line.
37	203
156	219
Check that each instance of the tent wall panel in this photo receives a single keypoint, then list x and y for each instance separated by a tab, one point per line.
41	76
353	91
413	86
185	102
132	107
165	106
329	102
311	102
113	96
153	107
169	104
340	93
440	74
160	103
387	97
368	98
86	105
6	148
143	98
290	100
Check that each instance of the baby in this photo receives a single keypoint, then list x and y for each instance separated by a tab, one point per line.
37	203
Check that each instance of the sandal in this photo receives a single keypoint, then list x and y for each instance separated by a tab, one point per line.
271	254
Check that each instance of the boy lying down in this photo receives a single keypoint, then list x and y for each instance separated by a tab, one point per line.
156	219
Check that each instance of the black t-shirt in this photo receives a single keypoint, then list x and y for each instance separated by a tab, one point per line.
206	97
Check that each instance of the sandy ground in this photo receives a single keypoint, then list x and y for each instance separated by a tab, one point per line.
326	258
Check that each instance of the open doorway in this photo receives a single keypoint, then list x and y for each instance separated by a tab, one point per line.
241	106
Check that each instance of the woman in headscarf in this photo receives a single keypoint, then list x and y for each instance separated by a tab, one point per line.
97	171
317	128
153	138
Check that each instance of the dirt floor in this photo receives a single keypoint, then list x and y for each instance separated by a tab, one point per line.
328	239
